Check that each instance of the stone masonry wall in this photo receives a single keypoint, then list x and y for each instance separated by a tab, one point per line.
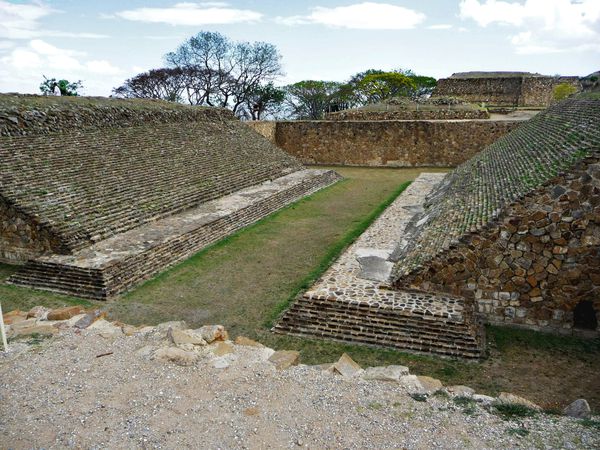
388	143
266	128
516	91
409	114
21	238
536	91
535	263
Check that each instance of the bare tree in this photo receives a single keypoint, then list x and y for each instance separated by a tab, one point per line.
164	84
224	73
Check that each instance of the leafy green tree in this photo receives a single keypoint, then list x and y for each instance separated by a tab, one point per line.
50	86
264	100
310	99
382	86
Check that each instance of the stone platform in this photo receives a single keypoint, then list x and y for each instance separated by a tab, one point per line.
122	261
343	306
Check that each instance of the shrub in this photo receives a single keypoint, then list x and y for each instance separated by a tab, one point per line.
563	90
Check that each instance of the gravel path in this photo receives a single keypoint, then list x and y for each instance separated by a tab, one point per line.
60	394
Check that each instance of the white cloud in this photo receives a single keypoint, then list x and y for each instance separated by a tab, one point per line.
21	69
542	26
192	14
18	21
21	21
441	26
365	16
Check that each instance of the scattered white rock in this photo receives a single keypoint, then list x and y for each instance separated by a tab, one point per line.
284	359
179	337
580	409
211	333
385	373
175	324
460	391
412	384
176	355
483	399
347	367
507	398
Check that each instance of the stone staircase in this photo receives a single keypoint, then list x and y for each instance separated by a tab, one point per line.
114	265
405	328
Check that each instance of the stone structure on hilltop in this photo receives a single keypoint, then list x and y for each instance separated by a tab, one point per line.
512	236
99	195
503	89
399	108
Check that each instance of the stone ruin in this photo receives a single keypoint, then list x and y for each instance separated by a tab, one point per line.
504	89
97	196
512	236
399	108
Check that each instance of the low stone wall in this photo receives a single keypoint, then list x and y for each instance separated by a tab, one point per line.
385	143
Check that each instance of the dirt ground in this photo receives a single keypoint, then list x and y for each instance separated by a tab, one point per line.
86	390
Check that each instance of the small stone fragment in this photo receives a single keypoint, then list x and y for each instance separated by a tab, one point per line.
65	313
251	411
411	383
176	355
89	319
386	373
146	351
178	337
38	312
507	398
243	340
484	399
580	409
222	348
346	367
105	328
211	333
430	385
221	363
283	359
175	324
460	391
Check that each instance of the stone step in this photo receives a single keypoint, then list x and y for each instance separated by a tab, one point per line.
113	266
381	327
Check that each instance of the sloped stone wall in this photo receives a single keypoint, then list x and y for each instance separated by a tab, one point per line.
535	263
87	169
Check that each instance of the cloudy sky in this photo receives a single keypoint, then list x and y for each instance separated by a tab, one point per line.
105	42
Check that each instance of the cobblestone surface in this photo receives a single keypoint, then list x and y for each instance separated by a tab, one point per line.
343	283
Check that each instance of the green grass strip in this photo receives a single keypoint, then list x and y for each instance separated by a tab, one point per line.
332	254
192	260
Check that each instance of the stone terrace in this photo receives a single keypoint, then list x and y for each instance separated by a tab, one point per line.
123	189
344	306
516	228
474	193
87	184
